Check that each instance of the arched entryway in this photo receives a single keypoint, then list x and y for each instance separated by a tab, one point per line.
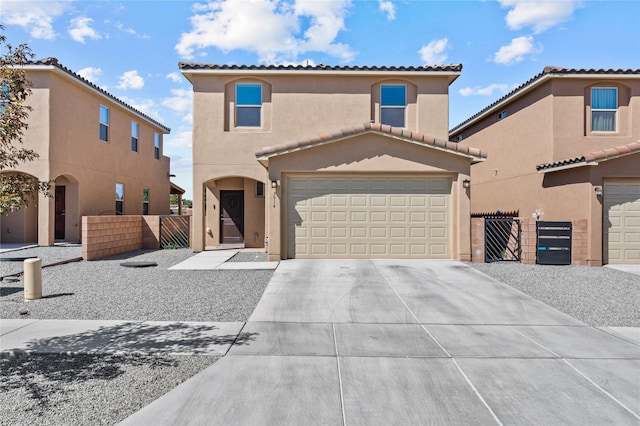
21	226
234	212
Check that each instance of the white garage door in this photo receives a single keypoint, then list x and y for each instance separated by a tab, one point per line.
369	217
622	222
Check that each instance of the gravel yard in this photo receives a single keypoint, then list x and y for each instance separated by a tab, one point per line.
72	389
600	297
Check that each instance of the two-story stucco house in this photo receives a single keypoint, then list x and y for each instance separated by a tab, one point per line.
103	156
329	162
565	146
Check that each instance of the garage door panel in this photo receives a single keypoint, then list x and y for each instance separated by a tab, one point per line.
622	222
391	217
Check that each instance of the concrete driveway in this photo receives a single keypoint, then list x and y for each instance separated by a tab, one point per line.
368	342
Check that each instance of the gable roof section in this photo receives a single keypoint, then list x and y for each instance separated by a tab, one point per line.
592	158
549	72
52	63
475	155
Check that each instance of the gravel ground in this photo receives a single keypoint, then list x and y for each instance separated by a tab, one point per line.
58	389
600	297
105	290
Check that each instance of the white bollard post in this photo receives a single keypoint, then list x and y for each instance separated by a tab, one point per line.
32	279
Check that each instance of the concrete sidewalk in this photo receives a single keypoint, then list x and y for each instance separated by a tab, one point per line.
408	342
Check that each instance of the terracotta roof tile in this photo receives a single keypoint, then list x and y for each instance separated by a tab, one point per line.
320	67
270	151
592	158
547	71
54	62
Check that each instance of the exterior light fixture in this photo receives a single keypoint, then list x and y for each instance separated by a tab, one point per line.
274	184
598	191
466	184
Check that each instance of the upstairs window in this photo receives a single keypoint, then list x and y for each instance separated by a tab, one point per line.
104	123
248	105
156	146
393	104
145	200
604	106
134	136
119	199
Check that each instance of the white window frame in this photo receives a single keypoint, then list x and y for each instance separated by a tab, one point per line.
238	106
403	107
156	146
614	110
119	199
135	131
104	124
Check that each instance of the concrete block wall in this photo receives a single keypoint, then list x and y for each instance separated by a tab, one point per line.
104	236
528	241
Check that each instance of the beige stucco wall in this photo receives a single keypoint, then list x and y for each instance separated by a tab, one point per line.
64	131
295	107
546	125
370	154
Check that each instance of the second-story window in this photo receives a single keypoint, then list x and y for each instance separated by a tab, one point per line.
104	123
393	104
134	136
604	105
119	199
248	105
156	146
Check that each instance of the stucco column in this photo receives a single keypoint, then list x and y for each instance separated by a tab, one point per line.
273	210
197	217
46	219
463	216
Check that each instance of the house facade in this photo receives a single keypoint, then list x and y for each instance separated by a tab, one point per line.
101	155
565	146
328	162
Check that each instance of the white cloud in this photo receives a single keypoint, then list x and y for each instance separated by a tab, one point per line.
388	8
540	14
34	16
181	139
434	52
145	106
131	80
516	51
484	91
181	100
90	73
80	29
176	77
272	29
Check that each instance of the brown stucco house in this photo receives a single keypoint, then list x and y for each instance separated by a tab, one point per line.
565	146
102	155
328	162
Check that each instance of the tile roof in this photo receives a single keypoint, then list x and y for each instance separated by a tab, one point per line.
320	67
592	158
54	62
549	71
474	154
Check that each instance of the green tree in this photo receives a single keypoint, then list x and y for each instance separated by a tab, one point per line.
16	189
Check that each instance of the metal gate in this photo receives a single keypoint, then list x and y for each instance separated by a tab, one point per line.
174	231
553	242
501	239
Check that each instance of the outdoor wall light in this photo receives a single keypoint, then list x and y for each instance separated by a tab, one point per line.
466	184
598	191
274	184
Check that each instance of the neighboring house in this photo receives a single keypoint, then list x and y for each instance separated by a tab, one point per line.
281	156
103	156
565	146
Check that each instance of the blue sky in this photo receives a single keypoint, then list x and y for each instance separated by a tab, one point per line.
132	48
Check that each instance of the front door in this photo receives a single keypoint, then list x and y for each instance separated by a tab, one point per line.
59	218
231	217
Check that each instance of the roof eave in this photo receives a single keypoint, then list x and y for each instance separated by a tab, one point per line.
65	74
